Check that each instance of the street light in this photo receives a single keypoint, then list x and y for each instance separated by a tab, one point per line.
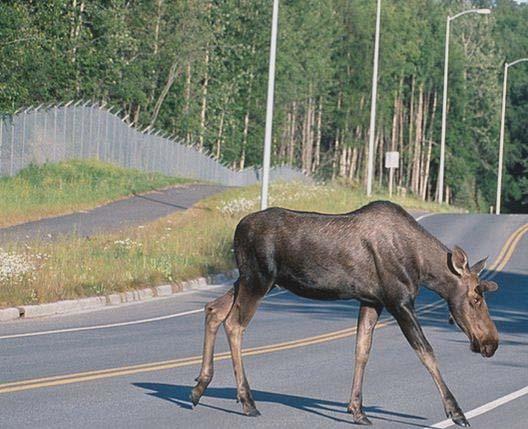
501	138
372	131
444	101
269	108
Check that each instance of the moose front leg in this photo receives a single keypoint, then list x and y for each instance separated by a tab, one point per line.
406	318
368	317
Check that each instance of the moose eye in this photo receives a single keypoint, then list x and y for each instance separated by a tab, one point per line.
476	300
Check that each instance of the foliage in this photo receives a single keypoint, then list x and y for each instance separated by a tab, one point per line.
198	69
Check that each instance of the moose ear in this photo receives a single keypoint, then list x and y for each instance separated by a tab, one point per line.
459	260
479	266
488	286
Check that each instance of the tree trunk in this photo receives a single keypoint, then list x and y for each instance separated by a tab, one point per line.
204	99
173	72
291	148
155	49
317	160
425	182
186	108
417	143
410	145
220	135
336	139
75	31
244	141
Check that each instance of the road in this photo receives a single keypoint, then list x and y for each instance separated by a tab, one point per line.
139	373
111	217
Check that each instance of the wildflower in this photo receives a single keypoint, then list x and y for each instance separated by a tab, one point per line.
15	266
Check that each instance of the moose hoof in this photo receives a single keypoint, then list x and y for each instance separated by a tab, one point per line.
458	418
460	421
359	417
362	420
195	397
252	412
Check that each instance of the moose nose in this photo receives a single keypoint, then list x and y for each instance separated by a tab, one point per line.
488	349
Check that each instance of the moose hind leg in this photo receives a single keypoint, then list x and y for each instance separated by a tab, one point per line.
406	318
244	308
215	313
368	317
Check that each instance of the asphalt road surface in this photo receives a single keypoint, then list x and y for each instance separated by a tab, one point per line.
133	211
134	366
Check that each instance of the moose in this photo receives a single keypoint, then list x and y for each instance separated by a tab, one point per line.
379	255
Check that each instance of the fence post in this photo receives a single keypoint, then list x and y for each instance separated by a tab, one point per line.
1	141
44	135
99	133
74	147
90	139
23	112
12	145
55	133
105	144
82	133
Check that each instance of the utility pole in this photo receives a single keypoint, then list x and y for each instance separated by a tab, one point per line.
501	138
372	131
444	100
269	109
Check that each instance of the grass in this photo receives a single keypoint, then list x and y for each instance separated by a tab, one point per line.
53	189
181	246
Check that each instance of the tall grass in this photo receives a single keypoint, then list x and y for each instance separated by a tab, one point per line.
51	189
181	246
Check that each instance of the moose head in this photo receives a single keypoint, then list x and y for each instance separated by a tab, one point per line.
468	306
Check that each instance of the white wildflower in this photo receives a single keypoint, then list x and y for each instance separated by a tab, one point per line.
238	205
15	266
126	244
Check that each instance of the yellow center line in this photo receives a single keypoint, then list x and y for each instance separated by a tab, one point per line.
510	251
519	232
504	256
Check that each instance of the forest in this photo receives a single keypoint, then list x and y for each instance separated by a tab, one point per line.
199	69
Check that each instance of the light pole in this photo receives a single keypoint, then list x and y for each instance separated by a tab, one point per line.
501	138
444	101
269	108
372	131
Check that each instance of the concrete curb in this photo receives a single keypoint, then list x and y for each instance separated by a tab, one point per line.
114	299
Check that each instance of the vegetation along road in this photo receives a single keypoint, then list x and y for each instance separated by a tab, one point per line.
141	370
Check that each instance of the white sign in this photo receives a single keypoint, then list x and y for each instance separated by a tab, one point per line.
392	159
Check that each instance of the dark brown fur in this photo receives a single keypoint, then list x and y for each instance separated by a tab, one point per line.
378	255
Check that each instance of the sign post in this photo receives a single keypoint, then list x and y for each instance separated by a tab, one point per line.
392	161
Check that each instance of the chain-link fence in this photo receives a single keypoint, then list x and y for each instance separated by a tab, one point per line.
83	131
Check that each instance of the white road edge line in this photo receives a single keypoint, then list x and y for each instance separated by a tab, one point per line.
425	308
112	325
419	218
484	408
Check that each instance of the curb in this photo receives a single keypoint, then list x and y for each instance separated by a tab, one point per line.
111	300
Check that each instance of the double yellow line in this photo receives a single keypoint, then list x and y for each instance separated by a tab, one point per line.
174	363
504	256
506	252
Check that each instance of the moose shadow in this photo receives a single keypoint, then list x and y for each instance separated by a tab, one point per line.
179	395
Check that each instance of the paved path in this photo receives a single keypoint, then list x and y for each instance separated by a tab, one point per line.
132	211
305	385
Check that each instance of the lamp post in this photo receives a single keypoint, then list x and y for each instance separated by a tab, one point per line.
444	101
372	131
269	108
501	138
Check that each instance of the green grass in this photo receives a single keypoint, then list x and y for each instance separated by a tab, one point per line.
181	246
52	189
